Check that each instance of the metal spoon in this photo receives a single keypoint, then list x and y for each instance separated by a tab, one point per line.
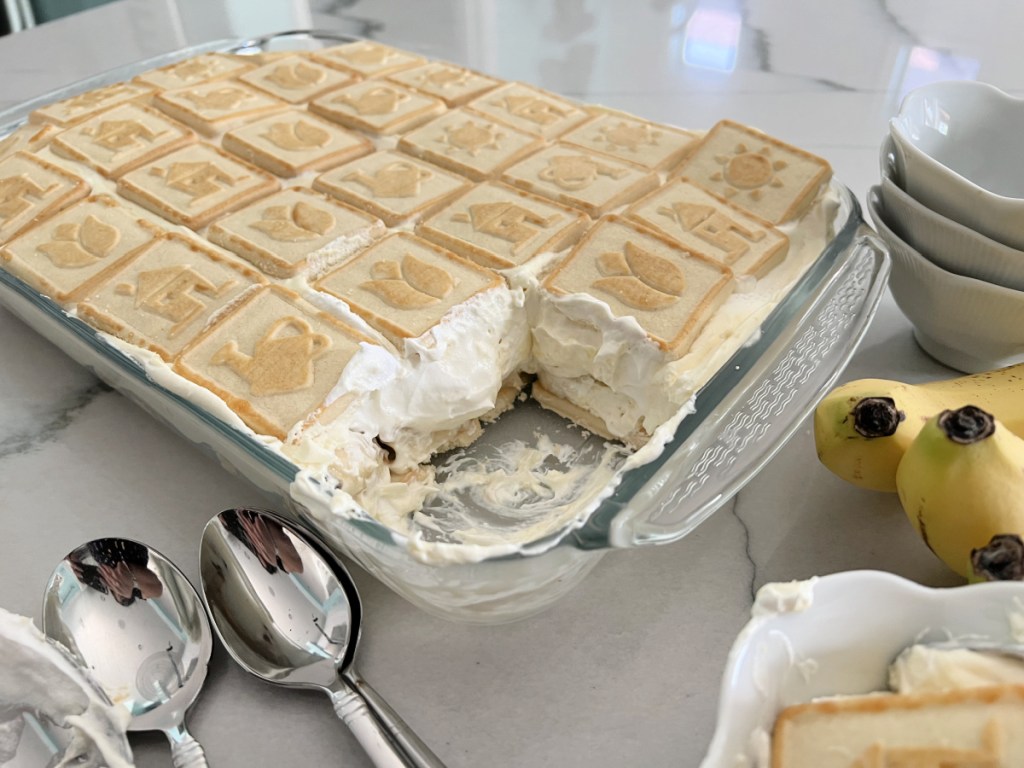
134	621
288	612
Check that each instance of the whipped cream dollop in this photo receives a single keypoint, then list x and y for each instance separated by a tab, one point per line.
49	706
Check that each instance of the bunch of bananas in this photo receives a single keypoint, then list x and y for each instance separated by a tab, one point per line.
958	470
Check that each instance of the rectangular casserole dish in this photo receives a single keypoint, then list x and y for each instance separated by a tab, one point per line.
739	419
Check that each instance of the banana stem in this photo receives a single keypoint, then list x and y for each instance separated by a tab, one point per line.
876	417
1002	559
967	425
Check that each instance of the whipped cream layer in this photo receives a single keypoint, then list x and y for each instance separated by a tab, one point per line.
609	366
40	682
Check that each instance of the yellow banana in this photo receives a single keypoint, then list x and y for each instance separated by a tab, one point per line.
961	482
863	428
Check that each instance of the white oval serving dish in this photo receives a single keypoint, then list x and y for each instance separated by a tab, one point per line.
837	635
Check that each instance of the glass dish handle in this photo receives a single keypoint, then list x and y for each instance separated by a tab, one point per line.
756	419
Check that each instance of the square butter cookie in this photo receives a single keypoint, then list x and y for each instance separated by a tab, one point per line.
403	286
273	359
164	296
293	229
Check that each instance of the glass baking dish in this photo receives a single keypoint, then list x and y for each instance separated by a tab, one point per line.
740	418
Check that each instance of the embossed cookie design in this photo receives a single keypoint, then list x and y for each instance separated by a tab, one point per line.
194	71
84	105
122	138
697	219
403	286
586	180
295	228
500	227
760	174
367	58
391	185
377	106
656	147
216	106
669	290
470	144
530	109
194	185
293	142
162	298
32	189
64	256
453	85
273	359
28	138
296	79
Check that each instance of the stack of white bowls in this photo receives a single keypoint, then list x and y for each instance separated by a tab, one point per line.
951	207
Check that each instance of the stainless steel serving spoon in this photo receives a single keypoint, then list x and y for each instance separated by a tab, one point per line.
288	612
133	620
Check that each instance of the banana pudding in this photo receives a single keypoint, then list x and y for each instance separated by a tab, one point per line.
359	257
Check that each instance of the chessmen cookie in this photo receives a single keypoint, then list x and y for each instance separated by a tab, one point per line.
295	229
216	106
290	143
969	727
612	318
194	71
377	107
391	185
122	138
403	286
296	79
453	85
163	295
75	109
32	189
469	144
698	219
195	185
367	59
500	227
274	359
582	179
65	256
762	175
626	137
669	291
530	109
30	138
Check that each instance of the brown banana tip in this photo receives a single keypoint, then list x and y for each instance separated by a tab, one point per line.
967	425
876	417
1002	559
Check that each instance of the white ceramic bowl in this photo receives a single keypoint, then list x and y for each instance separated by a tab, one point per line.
958	150
951	245
837	635
967	324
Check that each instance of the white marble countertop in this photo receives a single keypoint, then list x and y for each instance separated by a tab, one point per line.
626	670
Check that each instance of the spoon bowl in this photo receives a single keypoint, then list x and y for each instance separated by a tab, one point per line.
288	612
137	625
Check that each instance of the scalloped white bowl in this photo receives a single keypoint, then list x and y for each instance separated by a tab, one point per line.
837	635
968	324
958	151
945	242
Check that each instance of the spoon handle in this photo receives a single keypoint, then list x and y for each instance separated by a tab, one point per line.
386	738
186	752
